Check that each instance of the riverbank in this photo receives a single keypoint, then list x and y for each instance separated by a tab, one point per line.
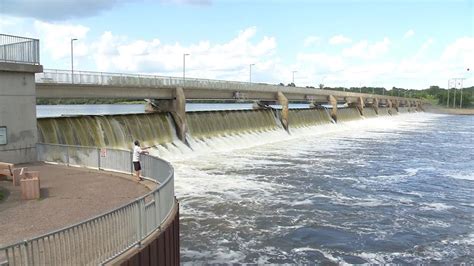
450	111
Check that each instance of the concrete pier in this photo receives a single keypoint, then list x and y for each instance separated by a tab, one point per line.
18	132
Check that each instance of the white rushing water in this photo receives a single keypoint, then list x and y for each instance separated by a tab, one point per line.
390	189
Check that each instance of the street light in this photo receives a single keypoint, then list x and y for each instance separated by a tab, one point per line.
293	80
72	59
250	73
449	83
184	68
462	86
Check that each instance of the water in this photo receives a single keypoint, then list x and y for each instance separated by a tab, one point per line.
393	189
383	190
108	109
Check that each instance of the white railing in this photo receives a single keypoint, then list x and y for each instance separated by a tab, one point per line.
16	49
56	76
106	236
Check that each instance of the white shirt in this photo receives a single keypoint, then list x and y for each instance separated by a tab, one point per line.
136	153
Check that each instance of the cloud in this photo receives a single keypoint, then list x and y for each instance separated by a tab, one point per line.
54	10
365	50
229	59
339	39
206	60
311	40
461	51
189	2
57	10
409	34
55	38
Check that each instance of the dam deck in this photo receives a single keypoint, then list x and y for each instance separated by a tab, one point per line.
68	195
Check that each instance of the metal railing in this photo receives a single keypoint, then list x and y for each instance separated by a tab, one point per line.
56	76
16	49
102	238
135	80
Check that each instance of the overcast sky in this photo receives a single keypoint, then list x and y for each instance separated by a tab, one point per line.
410	44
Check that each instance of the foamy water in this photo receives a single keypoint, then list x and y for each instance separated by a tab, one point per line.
383	190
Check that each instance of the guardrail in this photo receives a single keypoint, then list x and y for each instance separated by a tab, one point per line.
16	49
56	76
106	236
125	80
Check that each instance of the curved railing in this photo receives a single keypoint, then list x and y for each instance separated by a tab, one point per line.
102	238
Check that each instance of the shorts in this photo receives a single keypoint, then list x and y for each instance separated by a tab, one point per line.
137	166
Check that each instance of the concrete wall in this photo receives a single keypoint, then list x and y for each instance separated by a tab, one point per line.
18	112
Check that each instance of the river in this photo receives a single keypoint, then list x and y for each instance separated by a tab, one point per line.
382	190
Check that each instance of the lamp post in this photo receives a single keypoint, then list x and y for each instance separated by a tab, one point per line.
72	59
447	103
250	73
293	80
462	87
184	68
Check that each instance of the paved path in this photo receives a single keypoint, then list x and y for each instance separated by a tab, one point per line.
68	195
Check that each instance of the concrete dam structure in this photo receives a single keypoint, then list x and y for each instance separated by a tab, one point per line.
119	131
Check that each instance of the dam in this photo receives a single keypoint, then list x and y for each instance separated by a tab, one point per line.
349	178
159	129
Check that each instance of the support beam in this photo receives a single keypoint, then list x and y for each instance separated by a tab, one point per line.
284	109
333	101
420	106
175	106
360	105
396	104
375	105
389	106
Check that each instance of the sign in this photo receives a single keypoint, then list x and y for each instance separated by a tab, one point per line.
103	152
3	135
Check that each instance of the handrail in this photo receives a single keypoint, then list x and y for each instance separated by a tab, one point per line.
16	49
110	234
58	76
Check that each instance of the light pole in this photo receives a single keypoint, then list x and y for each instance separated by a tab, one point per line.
462	87
447	103
72	59
293	80
250	73
184	68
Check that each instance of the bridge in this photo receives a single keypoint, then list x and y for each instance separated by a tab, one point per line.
169	94
85	84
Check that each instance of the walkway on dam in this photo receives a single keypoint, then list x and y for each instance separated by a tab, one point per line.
68	195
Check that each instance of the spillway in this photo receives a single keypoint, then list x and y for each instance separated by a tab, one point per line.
119	131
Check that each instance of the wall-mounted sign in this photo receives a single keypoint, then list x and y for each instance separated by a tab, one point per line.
3	135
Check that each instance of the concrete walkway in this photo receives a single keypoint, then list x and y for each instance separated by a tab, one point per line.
68	195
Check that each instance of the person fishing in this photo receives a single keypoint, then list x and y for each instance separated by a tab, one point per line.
137	151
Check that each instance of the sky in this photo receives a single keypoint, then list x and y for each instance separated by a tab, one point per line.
350	43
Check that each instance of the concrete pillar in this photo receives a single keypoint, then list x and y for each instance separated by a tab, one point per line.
284	109
18	129
420	106
333	101
396	104
360	105
175	106
375	105
389	106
